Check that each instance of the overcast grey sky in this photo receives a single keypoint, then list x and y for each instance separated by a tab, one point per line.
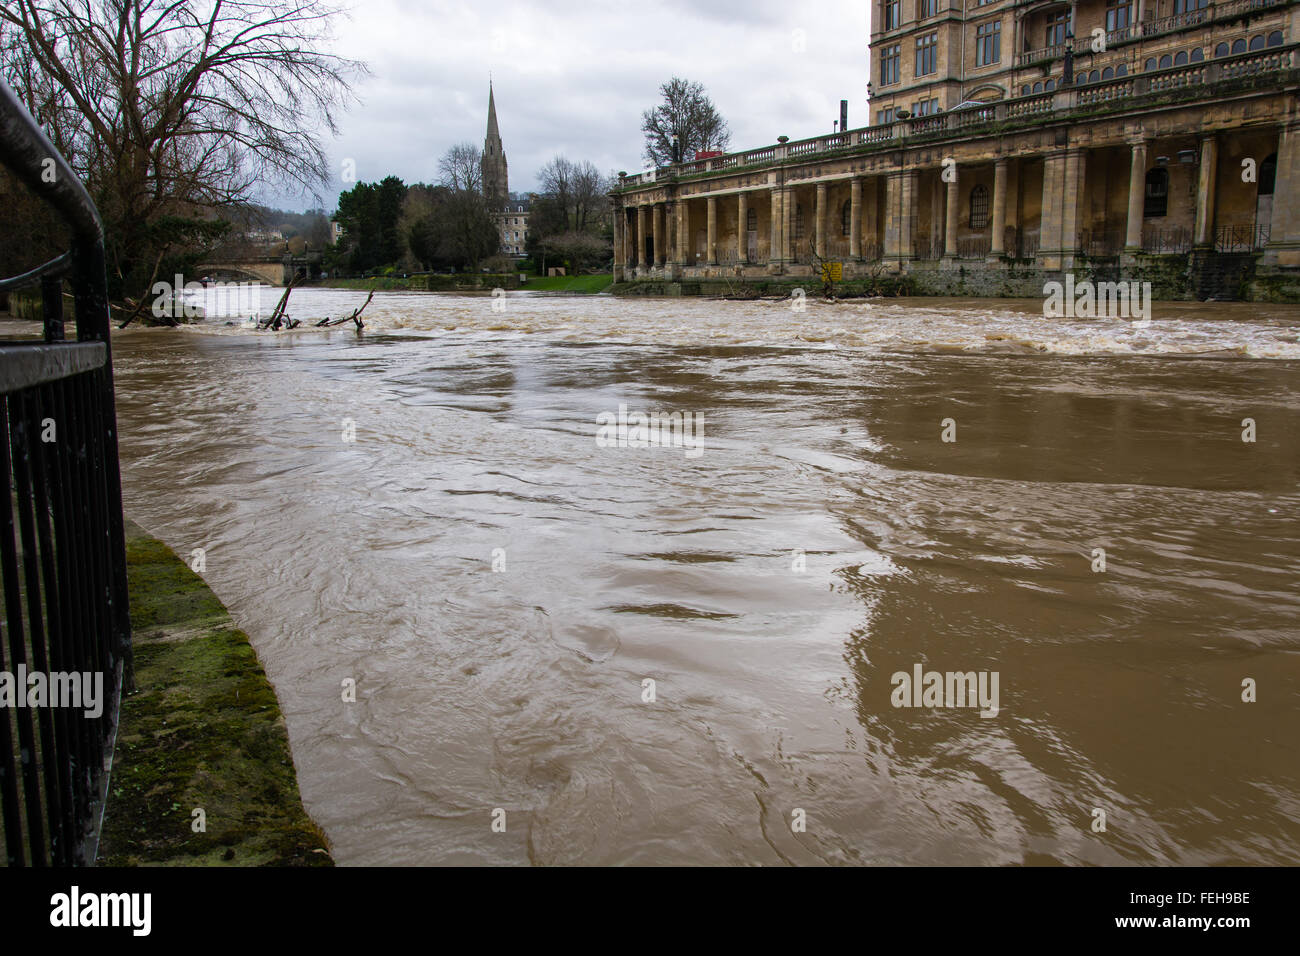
573	78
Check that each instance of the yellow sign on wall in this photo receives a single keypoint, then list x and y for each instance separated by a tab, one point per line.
832	271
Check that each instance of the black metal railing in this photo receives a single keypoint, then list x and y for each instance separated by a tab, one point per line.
62	547
1171	240
1241	238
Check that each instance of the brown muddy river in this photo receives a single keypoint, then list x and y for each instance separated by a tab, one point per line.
499	586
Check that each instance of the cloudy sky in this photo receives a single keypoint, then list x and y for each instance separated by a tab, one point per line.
573	77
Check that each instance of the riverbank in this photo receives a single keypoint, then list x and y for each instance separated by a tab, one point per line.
203	731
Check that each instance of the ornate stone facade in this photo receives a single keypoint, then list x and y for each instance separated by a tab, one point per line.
1180	136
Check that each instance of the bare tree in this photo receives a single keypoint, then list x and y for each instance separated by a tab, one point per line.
579	189
461	168
176	108
687	113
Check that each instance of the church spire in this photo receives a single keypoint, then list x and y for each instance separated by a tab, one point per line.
492	132
496	182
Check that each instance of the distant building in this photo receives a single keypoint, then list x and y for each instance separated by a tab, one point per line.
512	223
510	215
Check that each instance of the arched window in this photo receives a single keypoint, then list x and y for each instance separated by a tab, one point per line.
846	218
1239	45
1108	74
1151	64
1221	50
1198	55
1094	76
1274	38
979	207
751	220
1166	62
1257	42
798	221
1121	70
1180	58
1038	87
1157	194
1268	174
1026	90
1049	86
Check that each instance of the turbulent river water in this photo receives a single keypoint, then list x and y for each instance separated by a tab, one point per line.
500	587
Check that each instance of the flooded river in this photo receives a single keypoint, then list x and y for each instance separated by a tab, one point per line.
424	509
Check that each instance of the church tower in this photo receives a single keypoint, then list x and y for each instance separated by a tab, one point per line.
496	182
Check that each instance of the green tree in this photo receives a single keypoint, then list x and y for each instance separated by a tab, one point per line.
370	214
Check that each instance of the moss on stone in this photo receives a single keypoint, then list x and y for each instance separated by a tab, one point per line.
203	729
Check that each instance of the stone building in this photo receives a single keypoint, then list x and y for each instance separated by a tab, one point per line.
510	215
512	223
1014	140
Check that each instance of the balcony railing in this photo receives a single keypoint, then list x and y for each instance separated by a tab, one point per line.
62	548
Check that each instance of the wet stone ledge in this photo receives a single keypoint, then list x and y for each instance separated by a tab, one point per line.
202	731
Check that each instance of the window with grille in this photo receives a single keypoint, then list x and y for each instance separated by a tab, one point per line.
846	218
893	13
1057	25
927	48
988	43
1119	14
798	222
751	221
889	58
979	207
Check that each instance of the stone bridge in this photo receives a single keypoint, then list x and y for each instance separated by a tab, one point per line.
272	270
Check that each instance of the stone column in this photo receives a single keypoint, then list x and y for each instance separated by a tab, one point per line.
819	230
1013	197
620	237
742	228
1204	235
774	230
870	217
683	232
711	247
855	218
657	234
1063	173
1137	184
997	248
639	245
950	218
1283	247
787	223
900	214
